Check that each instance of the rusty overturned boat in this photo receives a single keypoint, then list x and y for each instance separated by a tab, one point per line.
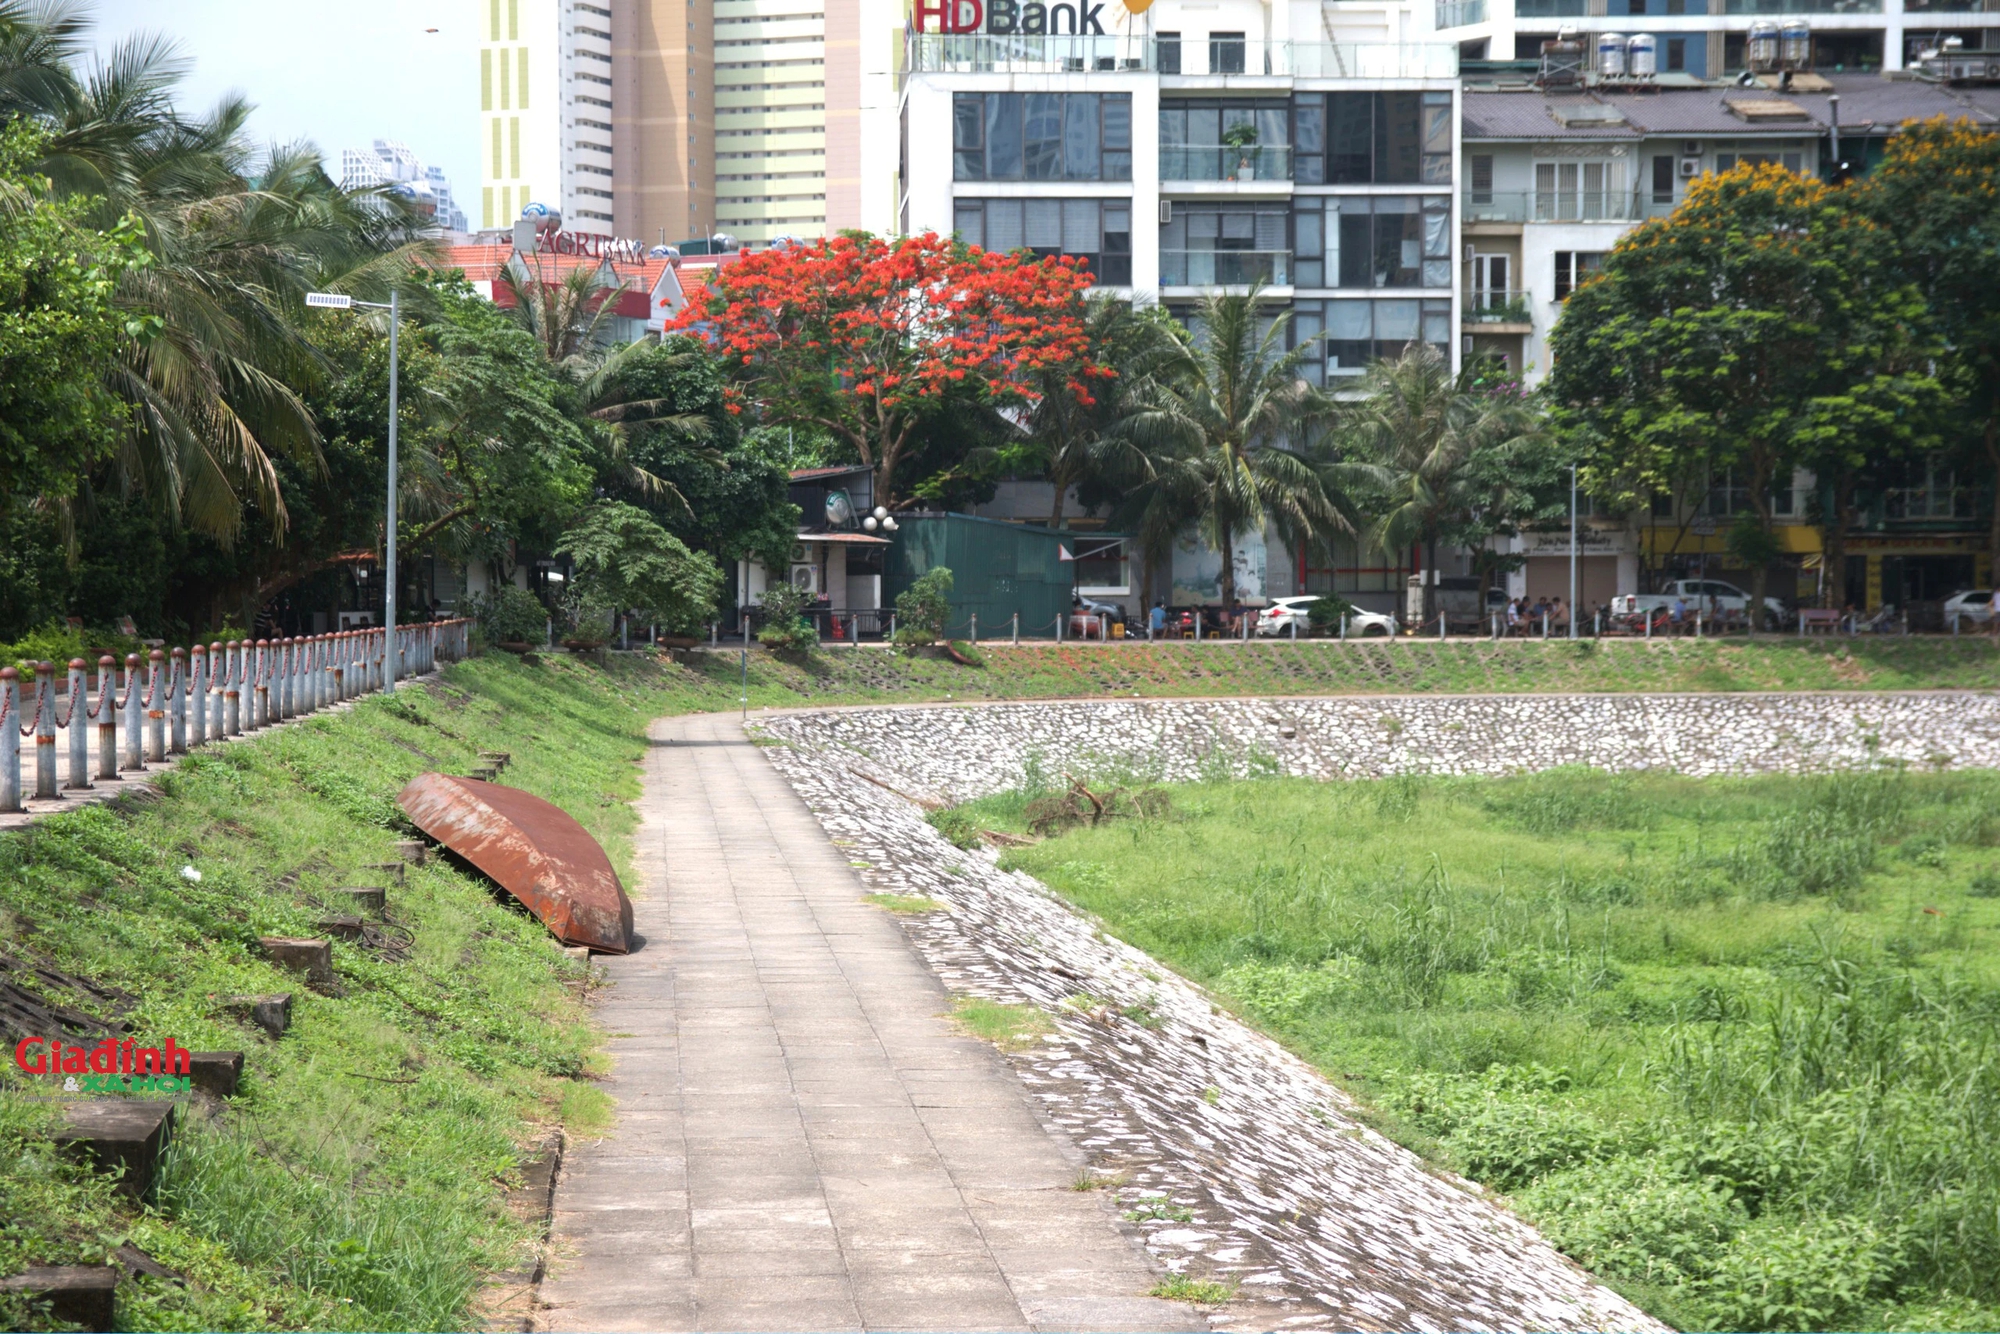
533	850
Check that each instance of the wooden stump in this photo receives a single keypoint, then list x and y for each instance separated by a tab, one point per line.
367	901
273	1014
120	1134
217	1073
313	958
82	1295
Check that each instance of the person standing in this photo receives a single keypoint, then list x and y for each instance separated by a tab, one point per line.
1156	621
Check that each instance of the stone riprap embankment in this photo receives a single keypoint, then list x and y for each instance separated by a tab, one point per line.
1235	1158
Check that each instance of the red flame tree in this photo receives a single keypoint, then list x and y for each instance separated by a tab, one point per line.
859	335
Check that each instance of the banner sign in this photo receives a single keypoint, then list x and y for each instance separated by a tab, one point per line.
1011	18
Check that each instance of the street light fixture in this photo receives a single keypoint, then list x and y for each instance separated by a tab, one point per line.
392	659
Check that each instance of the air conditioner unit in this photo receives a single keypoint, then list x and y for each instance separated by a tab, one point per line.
1468	252
1690	166
1166	211
1691	147
798	553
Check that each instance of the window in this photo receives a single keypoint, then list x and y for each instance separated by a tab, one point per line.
1490	288
1358	332
1677	54
1663	178
1730	161
1727	497
1191	138
1482	178
1375	241
1344	566
1042	137
1225	53
1097	231
1572	267
1167	52
1387	138
1208	245
1309	140
1676	8
1575	191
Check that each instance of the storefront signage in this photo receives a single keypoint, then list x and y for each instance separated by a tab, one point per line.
1589	542
1011	18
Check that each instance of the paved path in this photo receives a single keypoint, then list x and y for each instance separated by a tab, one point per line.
802	1143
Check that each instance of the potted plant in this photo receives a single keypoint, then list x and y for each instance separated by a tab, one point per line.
1243	138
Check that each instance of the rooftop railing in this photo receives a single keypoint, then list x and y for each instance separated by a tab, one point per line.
1460	13
1496	305
1551	206
982	53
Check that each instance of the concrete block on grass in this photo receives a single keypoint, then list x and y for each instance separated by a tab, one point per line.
273	1014
83	1295
119	1134
366	900
217	1073
395	872
413	850
341	928
311	957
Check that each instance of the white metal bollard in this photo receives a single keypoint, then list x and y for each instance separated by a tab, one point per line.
1017	628
45	731
134	755
975	629
177	728
79	731
10	740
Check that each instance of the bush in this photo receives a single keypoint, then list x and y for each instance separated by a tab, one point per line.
1635	1218
1814	851
627	562
786	629
923	608
956	824
509	615
1323	615
1820	1274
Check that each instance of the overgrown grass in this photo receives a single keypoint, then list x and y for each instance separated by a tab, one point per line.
1733	1043
862	675
357	1181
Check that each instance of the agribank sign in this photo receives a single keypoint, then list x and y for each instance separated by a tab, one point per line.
1011	18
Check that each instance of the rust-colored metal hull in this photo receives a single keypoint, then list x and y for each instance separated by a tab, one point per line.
534	850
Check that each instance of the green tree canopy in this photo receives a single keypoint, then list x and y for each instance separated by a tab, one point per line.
627	562
1759	321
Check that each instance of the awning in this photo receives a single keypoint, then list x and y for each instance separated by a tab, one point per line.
849	539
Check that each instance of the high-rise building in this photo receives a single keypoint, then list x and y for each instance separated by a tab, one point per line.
391	162
546	105
663	124
771	118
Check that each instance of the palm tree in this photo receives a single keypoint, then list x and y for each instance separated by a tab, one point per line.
569	316
1422	444
1224	423
212	370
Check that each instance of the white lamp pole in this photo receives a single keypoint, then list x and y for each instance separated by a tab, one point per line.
391	659
1572	547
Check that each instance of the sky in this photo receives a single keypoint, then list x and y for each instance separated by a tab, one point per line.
341	73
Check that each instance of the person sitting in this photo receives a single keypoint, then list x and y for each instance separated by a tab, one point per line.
1558	616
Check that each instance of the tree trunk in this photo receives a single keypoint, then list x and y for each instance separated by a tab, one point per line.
1993	521
1833	557
1056	510
1431	606
1228	568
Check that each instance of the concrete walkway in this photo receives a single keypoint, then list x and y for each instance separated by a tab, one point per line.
802	1143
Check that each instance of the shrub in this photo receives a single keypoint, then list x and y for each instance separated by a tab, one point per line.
1570	798
1815	851
627	562
957	825
786	629
1819	1274
1323	614
923	608
509	615
1286	993
1635	1218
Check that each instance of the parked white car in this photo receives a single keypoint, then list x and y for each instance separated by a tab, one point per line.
1708	596
1973	607
1277	619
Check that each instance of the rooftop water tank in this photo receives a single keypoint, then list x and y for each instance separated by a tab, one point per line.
1611	55
1642	56
1760	47
1795	45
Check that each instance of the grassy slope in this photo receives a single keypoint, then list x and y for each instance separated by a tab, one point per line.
356	1182
1729	1041
1327	667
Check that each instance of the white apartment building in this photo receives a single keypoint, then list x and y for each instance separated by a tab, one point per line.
770	119
545	99
1705	38
391	162
1206	144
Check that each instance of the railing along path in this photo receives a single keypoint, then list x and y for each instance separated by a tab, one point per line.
191	697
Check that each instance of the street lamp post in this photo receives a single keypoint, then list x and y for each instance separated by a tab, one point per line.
1573	551
391	656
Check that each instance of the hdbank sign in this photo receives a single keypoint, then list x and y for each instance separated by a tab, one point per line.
1008	18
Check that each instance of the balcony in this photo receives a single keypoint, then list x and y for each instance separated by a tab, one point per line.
1801	6
1225	268
980	53
1551	206
1220	162
1460	13
1548	9
1496	305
